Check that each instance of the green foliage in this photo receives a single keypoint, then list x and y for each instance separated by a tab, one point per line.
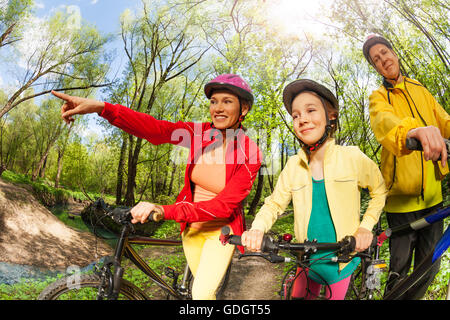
173	48
24	290
46	194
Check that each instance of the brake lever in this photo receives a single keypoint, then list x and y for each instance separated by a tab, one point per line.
271	257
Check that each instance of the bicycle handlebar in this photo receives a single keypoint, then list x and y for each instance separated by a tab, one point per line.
414	144
120	215
270	246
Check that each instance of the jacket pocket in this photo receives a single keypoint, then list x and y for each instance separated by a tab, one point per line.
349	179
298	188
409	175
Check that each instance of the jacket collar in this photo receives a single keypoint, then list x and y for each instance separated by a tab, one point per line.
328	145
211	135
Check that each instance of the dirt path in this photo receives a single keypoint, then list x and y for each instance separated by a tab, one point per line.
253	278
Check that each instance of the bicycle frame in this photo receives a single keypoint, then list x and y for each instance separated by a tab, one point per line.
124	248
432	258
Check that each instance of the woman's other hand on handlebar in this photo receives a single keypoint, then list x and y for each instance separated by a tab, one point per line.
77	105
142	211
252	239
433	144
363	239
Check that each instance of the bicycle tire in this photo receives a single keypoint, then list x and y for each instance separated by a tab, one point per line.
86	289
287	283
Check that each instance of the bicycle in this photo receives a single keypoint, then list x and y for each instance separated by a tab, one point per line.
344	252
106	282
365	282
300	252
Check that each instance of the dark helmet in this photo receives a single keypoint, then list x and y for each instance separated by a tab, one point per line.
232	82
296	87
372	40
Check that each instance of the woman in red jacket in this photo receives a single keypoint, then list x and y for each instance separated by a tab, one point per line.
222	166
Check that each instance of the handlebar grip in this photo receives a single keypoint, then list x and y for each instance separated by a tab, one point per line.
413	144
121	215
226	237
158	213
236	240
374	241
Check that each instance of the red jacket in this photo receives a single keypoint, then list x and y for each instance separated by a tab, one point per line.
243	160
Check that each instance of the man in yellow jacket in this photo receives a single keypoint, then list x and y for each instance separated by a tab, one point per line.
403	108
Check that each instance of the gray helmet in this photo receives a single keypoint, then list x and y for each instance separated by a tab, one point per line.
372	40
298	86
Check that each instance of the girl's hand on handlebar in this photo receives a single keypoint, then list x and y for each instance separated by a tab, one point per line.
252	239
142	211
363	239
433	144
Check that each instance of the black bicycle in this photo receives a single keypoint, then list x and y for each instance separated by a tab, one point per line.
299	253
107	282
343	251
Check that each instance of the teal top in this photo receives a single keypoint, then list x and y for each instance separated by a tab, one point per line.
321	227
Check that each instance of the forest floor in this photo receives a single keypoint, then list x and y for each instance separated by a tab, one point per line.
23	217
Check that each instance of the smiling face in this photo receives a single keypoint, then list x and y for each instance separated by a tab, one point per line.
309	117
385	61
224	109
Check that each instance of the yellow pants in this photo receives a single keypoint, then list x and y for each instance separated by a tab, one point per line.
208	260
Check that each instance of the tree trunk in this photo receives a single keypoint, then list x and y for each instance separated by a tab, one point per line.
2	169
59	165
132	171
42	170
41	162
61	151
172	178
259	187
120	170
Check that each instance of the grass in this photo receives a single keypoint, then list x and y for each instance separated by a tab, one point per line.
49	195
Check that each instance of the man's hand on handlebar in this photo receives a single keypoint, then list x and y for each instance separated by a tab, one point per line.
432	142
145	210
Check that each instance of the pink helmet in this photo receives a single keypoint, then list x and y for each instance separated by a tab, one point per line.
232	82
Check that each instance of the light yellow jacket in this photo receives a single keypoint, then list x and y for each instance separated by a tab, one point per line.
393	112
346	170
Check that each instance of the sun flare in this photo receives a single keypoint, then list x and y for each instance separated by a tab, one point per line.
298	17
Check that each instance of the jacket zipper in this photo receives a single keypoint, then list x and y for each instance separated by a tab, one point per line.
421	158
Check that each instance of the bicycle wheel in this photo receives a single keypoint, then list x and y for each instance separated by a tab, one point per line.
367	281
287	283
357	289
86	288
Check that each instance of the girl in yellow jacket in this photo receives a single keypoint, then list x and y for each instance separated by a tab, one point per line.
323	181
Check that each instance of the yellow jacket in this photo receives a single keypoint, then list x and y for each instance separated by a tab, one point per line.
346	170
393	112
